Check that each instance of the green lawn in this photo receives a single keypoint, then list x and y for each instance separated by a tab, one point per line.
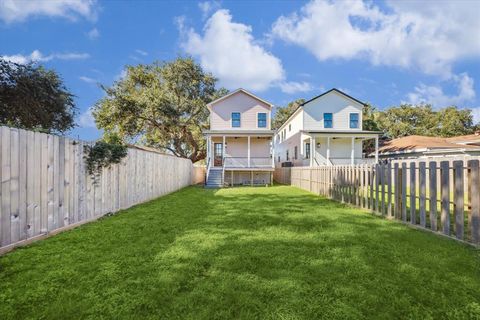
242	253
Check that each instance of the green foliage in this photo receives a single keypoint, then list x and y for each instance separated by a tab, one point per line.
104	153
282	113
241	253
32	97
162	104
406	120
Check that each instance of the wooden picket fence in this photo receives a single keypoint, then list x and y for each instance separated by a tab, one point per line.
442	196
45	186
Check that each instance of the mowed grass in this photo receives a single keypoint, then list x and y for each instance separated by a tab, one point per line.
242	253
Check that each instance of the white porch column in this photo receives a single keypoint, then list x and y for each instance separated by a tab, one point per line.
376	149
273	152
352	152
328	150
248	151
208	149
313	149
223	149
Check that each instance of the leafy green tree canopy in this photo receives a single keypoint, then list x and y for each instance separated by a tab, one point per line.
282	113
32	97
162	104
407	119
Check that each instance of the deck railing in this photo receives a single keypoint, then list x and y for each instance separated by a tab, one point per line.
242	162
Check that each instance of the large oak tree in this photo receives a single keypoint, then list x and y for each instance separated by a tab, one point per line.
32	97
162	104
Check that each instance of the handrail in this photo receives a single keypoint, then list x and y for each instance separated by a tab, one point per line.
223	171
242	162
208	170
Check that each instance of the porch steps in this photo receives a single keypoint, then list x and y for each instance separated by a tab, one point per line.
214	179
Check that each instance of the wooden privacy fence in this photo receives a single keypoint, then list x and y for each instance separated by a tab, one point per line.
45	186
440	196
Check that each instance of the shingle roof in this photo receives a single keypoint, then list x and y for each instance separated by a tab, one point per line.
422	143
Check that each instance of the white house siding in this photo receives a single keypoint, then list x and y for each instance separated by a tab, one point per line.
249	107
292	130
340	106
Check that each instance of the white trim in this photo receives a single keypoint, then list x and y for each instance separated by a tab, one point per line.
231	120
236	91
359	121
266	121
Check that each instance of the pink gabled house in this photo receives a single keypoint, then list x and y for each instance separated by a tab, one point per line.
239	141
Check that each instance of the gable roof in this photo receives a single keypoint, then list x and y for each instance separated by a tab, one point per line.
321	95
235	92
333	90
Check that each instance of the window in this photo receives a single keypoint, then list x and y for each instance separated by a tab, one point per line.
353	120
279	159
262	120
295	153
307	150
288	158
235	119
328	120
284	133
289	127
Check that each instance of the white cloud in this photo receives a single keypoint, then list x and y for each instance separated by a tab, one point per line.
141	52
93	34
429	36
435	95
20	10
37	56
86	119
207	7
295	87
88	79
229	51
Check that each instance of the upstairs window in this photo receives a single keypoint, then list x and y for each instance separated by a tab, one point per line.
295	153
307	150
328	120
289	127
288	158
353	120
262	120
235	119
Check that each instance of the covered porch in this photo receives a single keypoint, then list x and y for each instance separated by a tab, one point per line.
241	158
338	148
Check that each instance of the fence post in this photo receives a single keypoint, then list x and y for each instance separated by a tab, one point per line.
404	192
422	186
459	198
445	194
413	194
371	185
389	188
382	182
433	195
397	178
474	187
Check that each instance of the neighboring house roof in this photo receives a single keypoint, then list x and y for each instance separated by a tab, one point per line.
471	139
414	143
314	98
237	91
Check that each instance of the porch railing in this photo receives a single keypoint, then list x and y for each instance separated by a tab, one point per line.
242	162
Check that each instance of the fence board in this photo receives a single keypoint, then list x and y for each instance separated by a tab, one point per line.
404	191
422	173
445	196
413	194
474	187
458	198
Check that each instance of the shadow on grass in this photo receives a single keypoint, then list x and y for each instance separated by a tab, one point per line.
248	253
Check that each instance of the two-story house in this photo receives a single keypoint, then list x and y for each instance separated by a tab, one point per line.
325	130
240	141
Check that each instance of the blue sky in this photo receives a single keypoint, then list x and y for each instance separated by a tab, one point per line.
384	52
